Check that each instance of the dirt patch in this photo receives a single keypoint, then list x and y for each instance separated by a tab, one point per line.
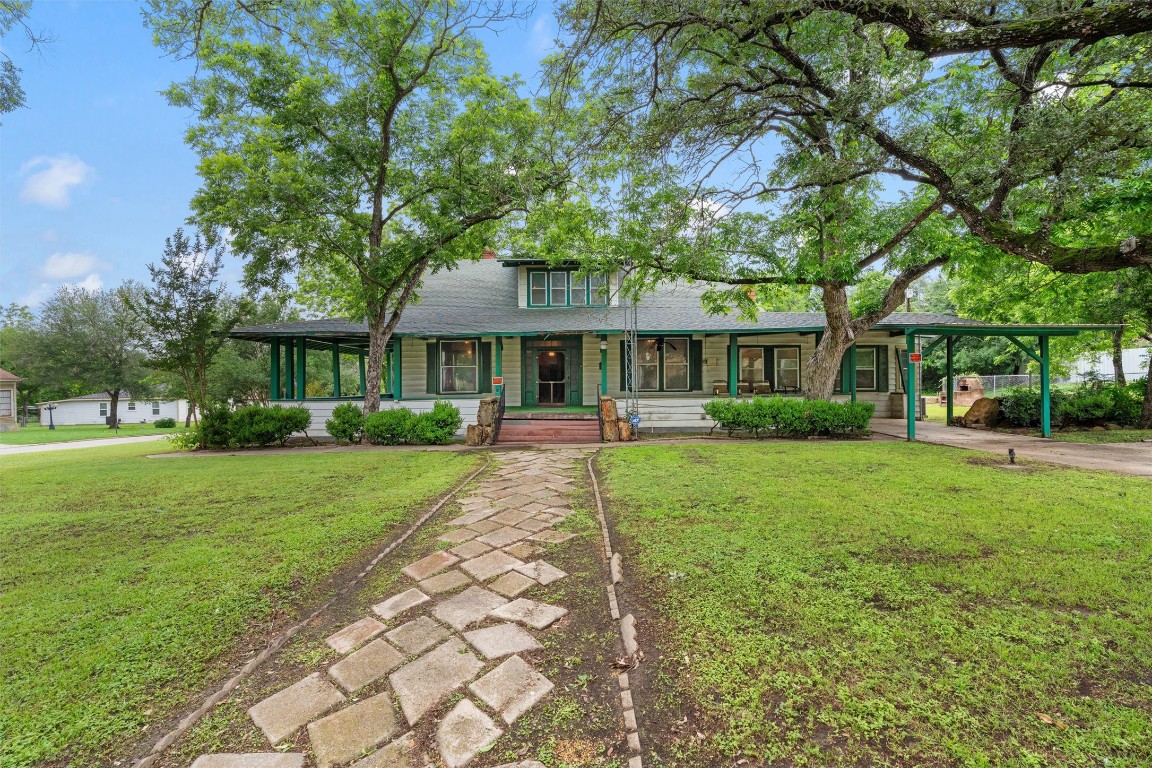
995	462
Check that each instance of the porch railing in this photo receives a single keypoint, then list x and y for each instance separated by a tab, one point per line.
599	413
499	418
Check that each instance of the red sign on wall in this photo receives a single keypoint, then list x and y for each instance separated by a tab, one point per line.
497	381
915	357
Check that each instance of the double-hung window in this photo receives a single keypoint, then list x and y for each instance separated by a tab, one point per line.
565	288
131	405
663	364
866	368
103	409
787	368
155	407
5	402
459	367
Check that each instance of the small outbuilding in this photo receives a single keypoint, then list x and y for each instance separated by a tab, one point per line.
95	408
8	385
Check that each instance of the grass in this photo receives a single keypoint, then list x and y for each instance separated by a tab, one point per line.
1108	436
126	582
937	413
35	434
891	604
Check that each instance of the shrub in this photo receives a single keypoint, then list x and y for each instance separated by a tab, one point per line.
165	423
438	426
215	423
259	425
187	440
1091	403
390	427
790	417
347	423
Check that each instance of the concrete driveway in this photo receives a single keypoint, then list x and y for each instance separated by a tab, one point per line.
12	450
1127	458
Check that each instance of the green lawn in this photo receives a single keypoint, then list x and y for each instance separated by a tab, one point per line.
889	604
1108	436
125	580
34	433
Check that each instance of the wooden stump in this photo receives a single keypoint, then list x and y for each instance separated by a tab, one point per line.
611	431
608	410
478	435
486	413
625	428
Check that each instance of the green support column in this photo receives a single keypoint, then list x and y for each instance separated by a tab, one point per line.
852	371
498	363
335	371
1045	390
363	377
289	370
949	376
397	370
910	385
733	365
274	384
301	368
604	364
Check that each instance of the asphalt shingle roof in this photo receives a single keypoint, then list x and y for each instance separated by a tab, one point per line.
480	298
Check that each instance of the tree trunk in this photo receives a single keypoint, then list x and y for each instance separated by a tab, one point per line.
823	368
1146	411
379	334
113	419
1118	356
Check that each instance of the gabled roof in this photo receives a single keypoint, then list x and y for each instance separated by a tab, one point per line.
6	376
480	298
124	396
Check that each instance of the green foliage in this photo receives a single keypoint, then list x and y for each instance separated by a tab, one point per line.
260	425
389	427
790	417
215	427
187	440
164	423
396	426
347	423
1090	404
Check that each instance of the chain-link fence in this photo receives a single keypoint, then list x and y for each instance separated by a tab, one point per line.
994	384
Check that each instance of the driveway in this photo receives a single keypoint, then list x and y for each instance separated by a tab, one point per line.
1127	458
12	450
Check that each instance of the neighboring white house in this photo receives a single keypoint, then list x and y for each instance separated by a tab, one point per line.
95	408
1135	364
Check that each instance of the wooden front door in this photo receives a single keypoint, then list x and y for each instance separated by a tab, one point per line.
552	372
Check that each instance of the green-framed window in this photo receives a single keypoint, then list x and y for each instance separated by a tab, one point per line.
774	365
665	364
459	367
871	370
565	288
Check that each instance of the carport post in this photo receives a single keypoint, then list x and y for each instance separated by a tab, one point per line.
910	384
949	373
335	370
274	384
1045	390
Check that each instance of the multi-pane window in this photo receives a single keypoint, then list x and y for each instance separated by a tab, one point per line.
131	405
676	364
459	367
5	402
752	365
648	364
866	368
155	407
787	368
662	364
103	409
564	288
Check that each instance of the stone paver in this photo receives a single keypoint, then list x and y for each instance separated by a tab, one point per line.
525	611
490	564
501	640
281	714
464	732
534	524
468	607
485	526
470	549
551	537
367	665
524	550
404	752
396	605
511	516
458	536
524	764
470	517
502	537
354	634
425	682
251	760
444	582
512	584
417	635
347	734
541	571
427	566
512	688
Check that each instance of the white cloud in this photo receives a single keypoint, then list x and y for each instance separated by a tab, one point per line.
544	34
91	283
36	296
52	185
65	266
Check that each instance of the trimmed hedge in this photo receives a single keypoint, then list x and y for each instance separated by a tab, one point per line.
790	417
347	423
397	426
252	425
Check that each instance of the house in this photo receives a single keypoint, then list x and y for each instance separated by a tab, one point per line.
95	408
552	340
1135	362
8	400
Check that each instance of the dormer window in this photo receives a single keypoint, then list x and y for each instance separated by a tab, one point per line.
565	288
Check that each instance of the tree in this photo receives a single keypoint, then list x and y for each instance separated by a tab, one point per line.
184	313
835	144
14	14
240	373
363	144
91	340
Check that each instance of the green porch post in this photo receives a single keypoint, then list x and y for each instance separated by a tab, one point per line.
949	375
498	364
289	370
397	370
910	385
363	377
604	364
852	371
274	383
335	370
301	368
733	365
1045	390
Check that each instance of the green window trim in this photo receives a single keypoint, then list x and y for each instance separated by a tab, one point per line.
556	287
881	383
771	362
435	368
695	363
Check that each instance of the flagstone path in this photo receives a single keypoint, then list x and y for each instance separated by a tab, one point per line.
457	630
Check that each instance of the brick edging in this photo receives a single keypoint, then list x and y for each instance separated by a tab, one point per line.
186	723
626	625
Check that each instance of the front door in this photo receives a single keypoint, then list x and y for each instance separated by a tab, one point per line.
551	378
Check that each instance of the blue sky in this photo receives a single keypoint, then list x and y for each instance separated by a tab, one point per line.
94	173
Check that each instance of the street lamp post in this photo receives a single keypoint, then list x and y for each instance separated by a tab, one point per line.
50	408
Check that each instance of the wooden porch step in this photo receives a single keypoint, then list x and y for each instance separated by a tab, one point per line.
552	430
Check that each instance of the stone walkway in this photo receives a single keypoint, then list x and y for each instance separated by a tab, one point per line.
457	632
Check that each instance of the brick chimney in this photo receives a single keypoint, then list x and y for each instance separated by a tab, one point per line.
488	254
